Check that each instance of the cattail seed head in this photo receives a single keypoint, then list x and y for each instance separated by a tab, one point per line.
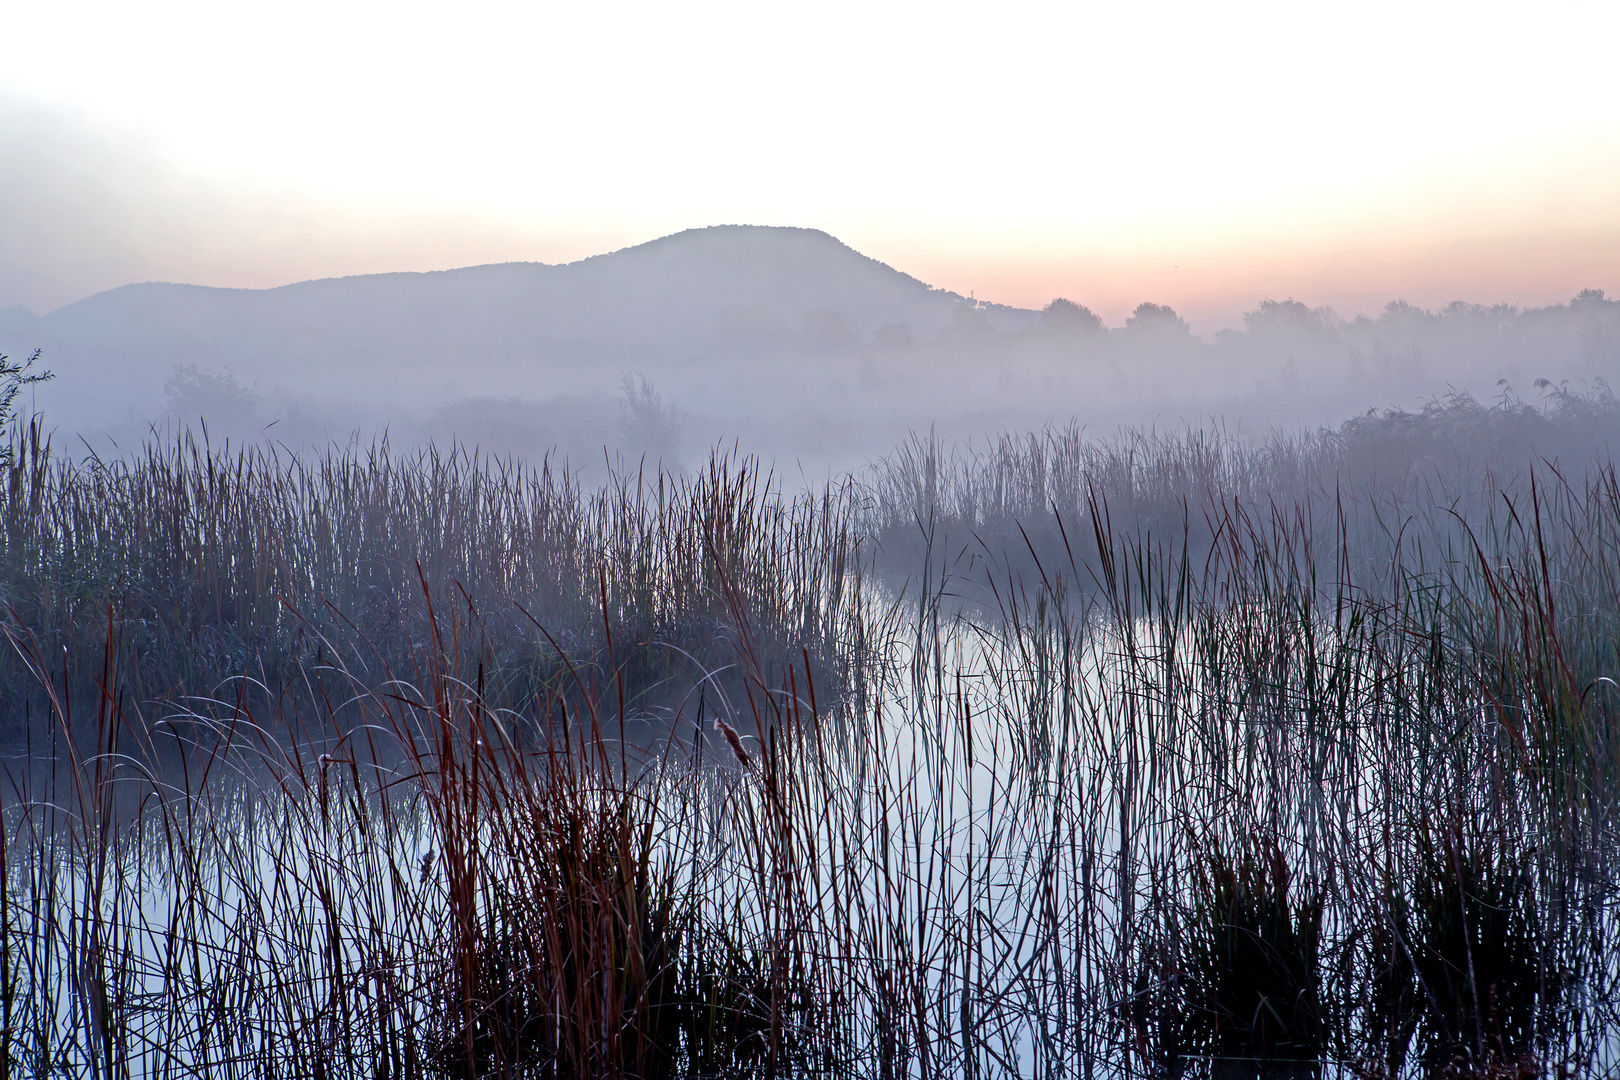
733	738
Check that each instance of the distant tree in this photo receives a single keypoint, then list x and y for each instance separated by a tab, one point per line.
647	421
1069	319
1400	314
1600	338
215	397
969	320
1278	317
13	377
1157	320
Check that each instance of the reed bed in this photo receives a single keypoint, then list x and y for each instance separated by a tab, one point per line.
1355	486
1136	802
229	570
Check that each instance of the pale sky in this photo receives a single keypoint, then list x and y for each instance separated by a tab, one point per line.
1205	155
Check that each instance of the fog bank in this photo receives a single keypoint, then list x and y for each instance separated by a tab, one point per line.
785	340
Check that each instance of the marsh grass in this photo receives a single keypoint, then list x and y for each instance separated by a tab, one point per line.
1352	487
1477	948
1142	801
234	571
1253	971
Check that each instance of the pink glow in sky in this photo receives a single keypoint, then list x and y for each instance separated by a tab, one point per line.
1201	155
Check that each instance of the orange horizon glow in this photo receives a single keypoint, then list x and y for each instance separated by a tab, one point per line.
1211	284
1203	156
1211	287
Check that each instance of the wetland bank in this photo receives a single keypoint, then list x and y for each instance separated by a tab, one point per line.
1152	755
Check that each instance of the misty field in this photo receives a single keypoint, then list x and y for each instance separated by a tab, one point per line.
1152	755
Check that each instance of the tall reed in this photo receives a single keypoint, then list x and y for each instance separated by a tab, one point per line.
1139	803
226	564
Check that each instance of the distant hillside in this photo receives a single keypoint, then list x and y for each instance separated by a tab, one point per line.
728	289
785	341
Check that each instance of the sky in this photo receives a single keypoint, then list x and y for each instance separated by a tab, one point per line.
1202	155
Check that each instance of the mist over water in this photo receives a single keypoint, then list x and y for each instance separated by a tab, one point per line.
783	341
1152	701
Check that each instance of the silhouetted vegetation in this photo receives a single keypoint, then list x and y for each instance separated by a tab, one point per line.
13	377
1284	759
226	571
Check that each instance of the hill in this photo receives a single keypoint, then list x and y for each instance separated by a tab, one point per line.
728	290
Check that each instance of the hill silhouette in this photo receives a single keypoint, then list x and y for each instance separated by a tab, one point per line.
781	339
718	291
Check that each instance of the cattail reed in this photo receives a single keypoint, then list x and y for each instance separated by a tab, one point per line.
397	766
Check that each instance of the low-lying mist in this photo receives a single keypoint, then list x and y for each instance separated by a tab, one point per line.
208	567
781	341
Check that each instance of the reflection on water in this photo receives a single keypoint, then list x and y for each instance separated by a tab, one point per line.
1225	815
1237	839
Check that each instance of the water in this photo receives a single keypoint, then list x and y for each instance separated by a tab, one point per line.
997	850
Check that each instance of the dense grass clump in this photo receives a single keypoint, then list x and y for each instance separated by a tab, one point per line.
1242	792
1254	974
1351	489
228	571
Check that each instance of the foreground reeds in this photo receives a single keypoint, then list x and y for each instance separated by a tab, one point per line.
1137	804
230	570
